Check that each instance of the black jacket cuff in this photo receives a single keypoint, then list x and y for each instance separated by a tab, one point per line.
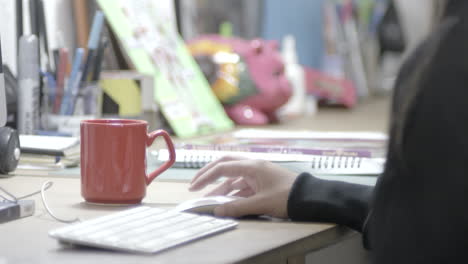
314	199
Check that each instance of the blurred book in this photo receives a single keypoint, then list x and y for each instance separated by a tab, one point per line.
50	160
60	27
10	30
40	154
343	58
244	16
50	145
47	162
80	15
299	18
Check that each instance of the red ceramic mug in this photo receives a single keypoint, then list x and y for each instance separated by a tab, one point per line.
113	160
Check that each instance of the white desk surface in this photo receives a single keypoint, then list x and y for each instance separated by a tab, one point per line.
254	241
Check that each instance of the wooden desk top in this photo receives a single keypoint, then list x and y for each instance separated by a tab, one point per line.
254	241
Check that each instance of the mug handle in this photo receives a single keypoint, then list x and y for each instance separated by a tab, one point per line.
172	156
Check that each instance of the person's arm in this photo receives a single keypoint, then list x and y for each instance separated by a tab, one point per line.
314	199
273	190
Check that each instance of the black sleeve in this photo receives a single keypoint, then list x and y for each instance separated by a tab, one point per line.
314	199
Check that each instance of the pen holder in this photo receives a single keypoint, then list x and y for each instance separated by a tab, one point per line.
63	125
89	100
87	104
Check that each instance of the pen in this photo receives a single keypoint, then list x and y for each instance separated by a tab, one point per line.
93	42
99	58
72	85
90	100
56	50
61	73
56	58
51	86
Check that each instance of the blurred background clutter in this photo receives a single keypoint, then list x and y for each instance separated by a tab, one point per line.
196	67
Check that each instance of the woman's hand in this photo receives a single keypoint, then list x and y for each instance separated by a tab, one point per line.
265	186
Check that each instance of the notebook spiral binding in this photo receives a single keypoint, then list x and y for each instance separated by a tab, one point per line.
198	160
336	162
333	165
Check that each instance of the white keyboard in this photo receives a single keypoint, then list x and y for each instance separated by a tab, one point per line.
142	229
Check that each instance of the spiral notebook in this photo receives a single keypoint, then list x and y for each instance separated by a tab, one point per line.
315	164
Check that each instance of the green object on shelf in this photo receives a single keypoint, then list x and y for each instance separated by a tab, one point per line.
148	35
225	29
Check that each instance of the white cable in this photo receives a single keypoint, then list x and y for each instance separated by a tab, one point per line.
49	184
14	199
44	187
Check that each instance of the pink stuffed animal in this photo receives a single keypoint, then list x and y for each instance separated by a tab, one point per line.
248	76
